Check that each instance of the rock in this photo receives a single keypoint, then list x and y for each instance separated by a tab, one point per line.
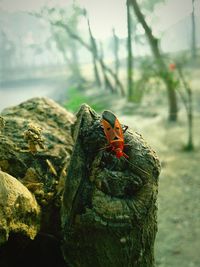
55	124
35	148
36	145
19	211
109	204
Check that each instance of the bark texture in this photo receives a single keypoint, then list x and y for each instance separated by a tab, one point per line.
109	205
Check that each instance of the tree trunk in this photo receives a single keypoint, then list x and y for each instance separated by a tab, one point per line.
89	48
130	56
116	55
172	97
162	68
98	57
107	82
109	205
72	62
96	72
75	60
193	47
188	103
94	55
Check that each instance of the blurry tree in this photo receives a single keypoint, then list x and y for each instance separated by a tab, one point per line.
186	96
107	83
116	53
147	76
120	86
130	56
7	55
99	57
61	40
57	17
105	69
94	55
66	45
193	45
7	50
162	67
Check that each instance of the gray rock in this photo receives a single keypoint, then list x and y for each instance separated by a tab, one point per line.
19	212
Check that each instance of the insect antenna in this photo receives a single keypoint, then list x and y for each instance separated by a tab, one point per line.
135	166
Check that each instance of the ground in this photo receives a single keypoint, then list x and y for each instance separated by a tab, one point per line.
177	241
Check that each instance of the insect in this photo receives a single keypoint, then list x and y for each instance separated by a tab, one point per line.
114	133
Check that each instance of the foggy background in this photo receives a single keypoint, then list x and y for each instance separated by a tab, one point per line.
31	63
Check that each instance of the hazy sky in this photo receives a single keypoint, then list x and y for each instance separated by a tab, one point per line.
104	14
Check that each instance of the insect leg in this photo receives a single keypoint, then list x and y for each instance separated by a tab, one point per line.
125	127
104	148
125	155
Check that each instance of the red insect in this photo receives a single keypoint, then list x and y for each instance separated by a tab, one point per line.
115	136
114	133
172	66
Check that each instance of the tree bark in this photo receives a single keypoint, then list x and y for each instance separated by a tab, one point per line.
109	205
162	68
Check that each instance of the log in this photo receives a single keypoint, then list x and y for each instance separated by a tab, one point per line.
109	205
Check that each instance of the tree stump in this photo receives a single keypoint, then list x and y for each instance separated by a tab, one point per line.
109	205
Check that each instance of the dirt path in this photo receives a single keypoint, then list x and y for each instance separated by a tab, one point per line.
177	241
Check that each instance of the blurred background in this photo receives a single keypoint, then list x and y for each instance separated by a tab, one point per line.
138	58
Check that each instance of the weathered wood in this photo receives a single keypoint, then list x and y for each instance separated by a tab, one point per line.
109	205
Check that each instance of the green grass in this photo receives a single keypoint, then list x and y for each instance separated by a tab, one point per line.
77	97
